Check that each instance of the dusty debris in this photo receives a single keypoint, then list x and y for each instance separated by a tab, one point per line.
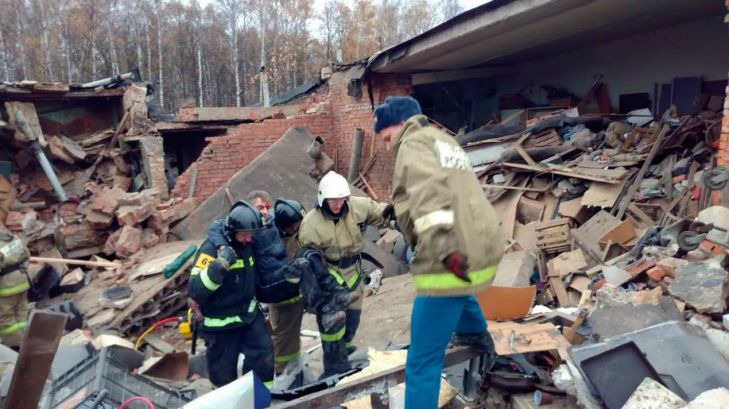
702	286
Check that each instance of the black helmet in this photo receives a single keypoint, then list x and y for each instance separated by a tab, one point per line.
287	213
242	217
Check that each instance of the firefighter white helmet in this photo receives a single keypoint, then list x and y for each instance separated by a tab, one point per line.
332	186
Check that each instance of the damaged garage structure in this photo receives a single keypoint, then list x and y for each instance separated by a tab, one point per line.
498	67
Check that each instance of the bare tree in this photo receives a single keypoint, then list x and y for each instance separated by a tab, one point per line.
158	5
3	57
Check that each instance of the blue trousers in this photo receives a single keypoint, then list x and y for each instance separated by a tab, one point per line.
433	322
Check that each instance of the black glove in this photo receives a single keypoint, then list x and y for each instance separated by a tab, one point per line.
293	270
226	256
389	213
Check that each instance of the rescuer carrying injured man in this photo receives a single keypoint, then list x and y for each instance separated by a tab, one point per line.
223	284
317	291
281	265
335	229
441	209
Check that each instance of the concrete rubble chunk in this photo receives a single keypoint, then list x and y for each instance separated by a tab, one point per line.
515	269
652	395
725	321
712	399
702	286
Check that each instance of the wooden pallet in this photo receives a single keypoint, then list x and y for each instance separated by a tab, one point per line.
554	236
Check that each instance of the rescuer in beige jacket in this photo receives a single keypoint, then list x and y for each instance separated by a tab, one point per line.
336	228
442	210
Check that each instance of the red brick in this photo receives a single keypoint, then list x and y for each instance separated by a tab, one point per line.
110	245
134	215
130	241
149	238
670	265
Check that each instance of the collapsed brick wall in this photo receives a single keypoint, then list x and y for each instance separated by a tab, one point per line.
226	155
349	113
336	117
722	157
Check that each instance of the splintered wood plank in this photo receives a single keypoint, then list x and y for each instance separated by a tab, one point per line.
514	338
34	361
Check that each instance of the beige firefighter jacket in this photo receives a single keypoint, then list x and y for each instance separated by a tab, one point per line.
344	238
441	208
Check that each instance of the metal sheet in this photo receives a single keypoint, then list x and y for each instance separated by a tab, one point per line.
680	352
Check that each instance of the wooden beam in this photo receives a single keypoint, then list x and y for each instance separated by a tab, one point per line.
641	173
376	384
34	361
193	182
104	264
541	169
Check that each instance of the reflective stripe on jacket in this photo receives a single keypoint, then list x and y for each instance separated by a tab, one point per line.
441	208
341	238
226	298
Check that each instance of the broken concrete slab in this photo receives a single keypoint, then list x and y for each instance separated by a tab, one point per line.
515	269
702	286
717	398
614	318
615	275
566	263
652	395
725	321
281	178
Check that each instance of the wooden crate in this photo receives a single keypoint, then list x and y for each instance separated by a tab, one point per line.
554	236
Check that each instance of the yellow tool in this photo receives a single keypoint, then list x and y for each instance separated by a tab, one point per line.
185	326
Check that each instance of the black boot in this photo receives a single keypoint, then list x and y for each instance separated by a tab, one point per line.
482	342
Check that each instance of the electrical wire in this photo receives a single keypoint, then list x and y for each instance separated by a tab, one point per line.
142	399
152	328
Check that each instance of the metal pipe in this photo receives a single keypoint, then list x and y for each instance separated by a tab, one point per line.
36	149
48	170
106	81
356	153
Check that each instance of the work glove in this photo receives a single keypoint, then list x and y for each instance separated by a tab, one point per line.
457	263
292	271
389	213
226	256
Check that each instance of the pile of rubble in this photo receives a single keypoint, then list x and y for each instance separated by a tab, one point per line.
613	240
98	234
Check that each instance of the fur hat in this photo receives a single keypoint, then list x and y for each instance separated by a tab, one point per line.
395	110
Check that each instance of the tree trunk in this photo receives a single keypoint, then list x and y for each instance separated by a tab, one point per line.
199	75
3	58
236	56
159	51
149	49
264	72
140	59
67	47
93	55
44	43
114	59
19	42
